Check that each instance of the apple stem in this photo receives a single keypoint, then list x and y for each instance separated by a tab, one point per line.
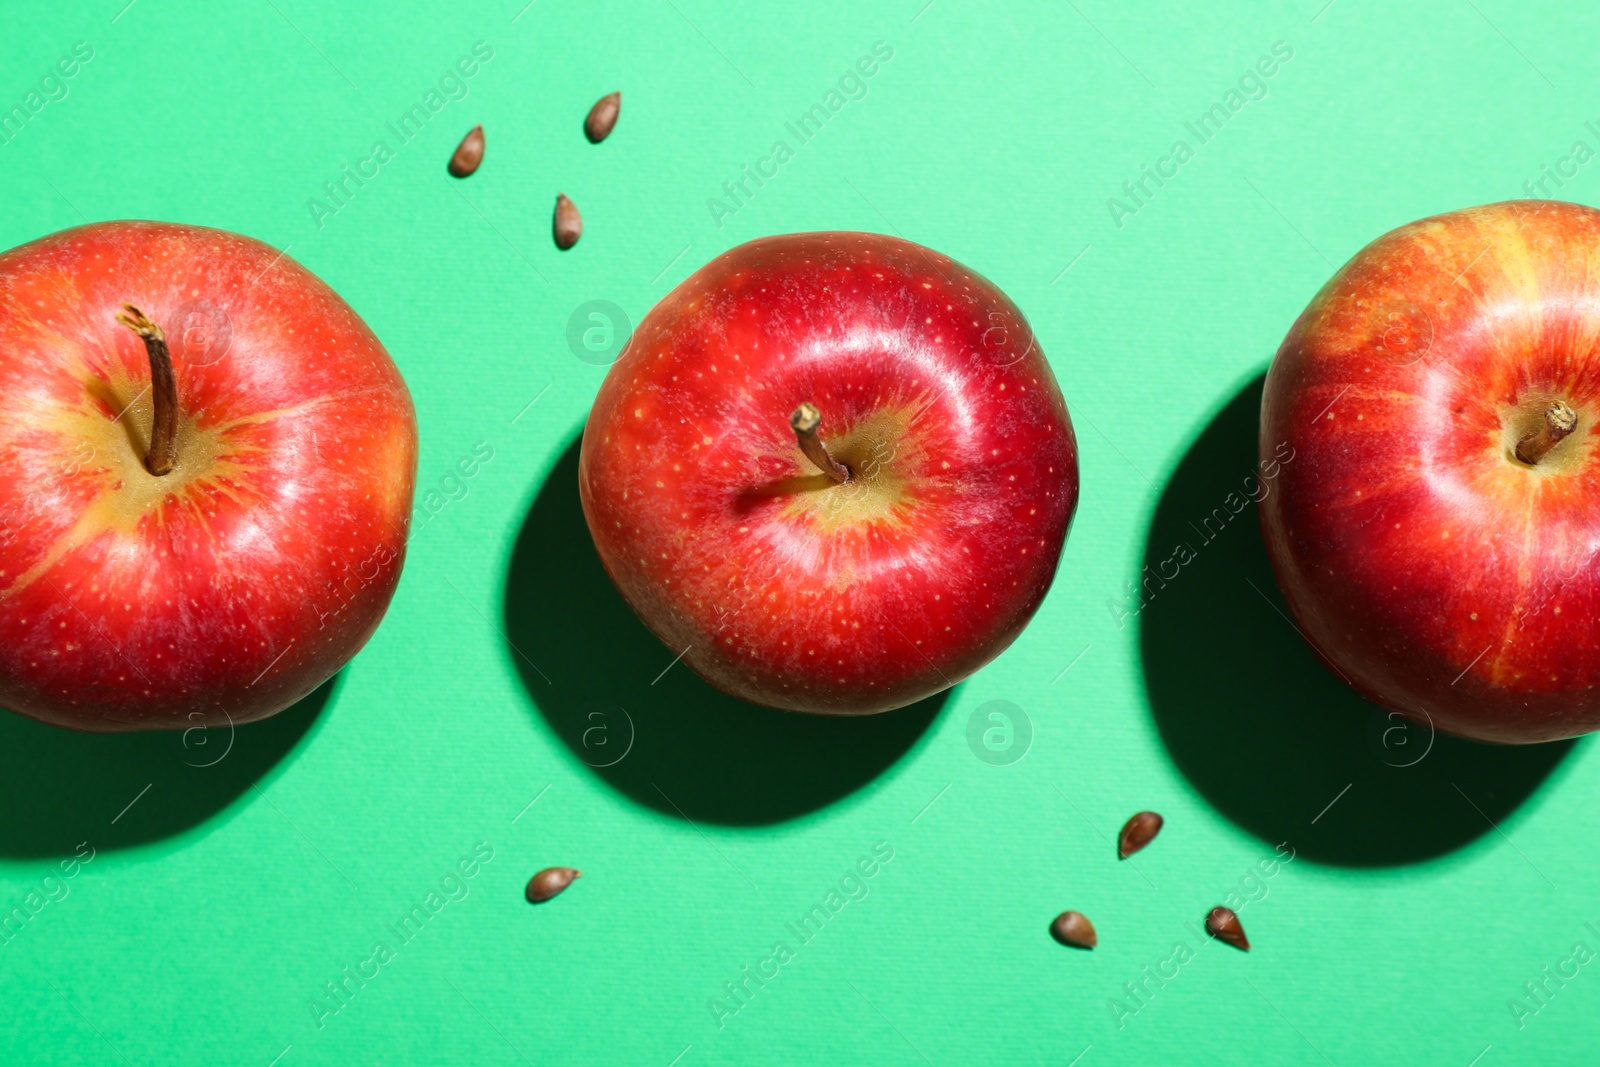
162	455
1559	421
805	420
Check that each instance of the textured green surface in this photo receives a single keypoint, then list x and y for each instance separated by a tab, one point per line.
217	906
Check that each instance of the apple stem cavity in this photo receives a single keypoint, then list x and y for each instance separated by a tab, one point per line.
1559	421
805	421
162	455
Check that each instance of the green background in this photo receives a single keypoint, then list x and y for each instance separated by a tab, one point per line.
218	904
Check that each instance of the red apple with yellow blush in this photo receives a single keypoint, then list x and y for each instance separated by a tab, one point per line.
206	469
1437	530
831	471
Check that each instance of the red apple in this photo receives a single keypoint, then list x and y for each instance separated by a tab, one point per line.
264	554
832	471
1436	524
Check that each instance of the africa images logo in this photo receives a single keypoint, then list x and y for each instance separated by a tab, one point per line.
1251	85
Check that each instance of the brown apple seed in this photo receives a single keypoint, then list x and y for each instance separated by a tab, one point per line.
1223	925
468	154
550	882
1073	929
1138	832
602	117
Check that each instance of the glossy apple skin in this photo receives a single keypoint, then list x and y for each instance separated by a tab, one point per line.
1440	576
777	585
231	587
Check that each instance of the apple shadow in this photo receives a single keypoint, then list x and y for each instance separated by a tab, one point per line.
651	727
59	787
1260	727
